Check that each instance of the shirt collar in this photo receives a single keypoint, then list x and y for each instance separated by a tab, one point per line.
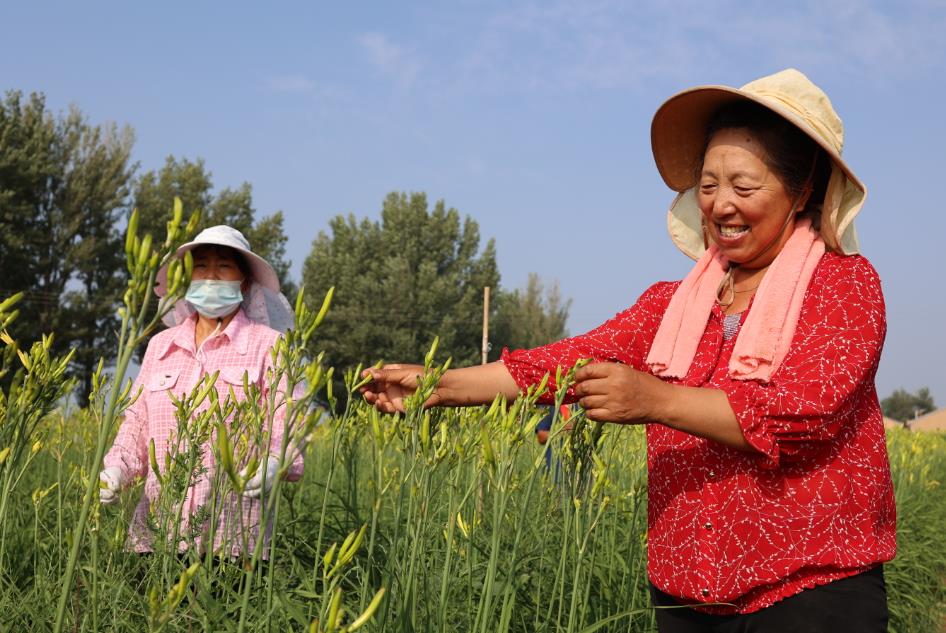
237	332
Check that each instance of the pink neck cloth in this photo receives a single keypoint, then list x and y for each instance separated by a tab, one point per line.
766	335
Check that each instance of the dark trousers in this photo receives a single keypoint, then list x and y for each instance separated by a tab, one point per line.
857	604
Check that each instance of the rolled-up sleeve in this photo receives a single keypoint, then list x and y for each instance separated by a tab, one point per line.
833	359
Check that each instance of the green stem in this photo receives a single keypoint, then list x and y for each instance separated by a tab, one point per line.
326	491
35	537
93	539
445	575
568	512
7	481
92	487
375	513
289	424
486	597
269	505
129	336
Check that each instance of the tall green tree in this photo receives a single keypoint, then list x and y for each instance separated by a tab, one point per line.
399	282
33	151
904	406
95	196
266	235
63	185
529	317
154	194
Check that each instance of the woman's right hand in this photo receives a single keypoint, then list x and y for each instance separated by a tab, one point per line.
110	484
391	384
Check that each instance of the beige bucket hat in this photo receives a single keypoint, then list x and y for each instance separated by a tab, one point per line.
678	135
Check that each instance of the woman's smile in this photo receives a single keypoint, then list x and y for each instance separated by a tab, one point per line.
730	233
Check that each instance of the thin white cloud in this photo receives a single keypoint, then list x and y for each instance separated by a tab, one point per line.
869	39
320	97
566	45
395	61
293	84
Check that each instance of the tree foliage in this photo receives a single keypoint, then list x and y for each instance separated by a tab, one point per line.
904	406
399	282
63	185
154	194
529	317
416	274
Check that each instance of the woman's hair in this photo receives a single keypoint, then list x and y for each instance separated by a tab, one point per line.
790	153
232	253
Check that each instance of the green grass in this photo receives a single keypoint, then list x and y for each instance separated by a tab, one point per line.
463	538
916	579
442	521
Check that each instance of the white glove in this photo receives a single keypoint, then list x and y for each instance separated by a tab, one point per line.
112	478
254	487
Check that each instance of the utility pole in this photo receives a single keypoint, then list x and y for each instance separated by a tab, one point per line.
485	322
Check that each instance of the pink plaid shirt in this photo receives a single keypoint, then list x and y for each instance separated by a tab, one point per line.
172	365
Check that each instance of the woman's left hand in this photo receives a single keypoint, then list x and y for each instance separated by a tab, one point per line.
263	480
612	392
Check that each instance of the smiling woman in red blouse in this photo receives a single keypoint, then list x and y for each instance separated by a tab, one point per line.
770	500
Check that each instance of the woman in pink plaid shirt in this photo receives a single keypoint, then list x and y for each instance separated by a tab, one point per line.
228	322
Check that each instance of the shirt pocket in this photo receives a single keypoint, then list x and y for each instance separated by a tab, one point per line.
235	379
162	381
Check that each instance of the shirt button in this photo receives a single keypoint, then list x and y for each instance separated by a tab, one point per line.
708	525
705	592
712	473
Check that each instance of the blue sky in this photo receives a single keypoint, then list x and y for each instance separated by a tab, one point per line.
531	117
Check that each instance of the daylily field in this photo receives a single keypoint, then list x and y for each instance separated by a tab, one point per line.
441	520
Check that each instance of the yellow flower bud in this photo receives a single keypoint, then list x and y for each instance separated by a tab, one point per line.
369	612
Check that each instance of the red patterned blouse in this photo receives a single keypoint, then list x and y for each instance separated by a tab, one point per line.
815	502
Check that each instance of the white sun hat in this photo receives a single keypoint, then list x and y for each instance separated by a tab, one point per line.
263	302
678	138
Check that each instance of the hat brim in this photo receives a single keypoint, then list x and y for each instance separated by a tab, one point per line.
261	270
678	132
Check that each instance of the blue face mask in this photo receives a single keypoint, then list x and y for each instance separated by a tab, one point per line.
213	298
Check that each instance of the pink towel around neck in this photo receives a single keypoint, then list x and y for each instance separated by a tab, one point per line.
684	321
766	335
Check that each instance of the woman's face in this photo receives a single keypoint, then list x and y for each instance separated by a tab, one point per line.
215	263
744	203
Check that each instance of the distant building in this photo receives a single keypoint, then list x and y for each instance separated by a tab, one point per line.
934	421
890	423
